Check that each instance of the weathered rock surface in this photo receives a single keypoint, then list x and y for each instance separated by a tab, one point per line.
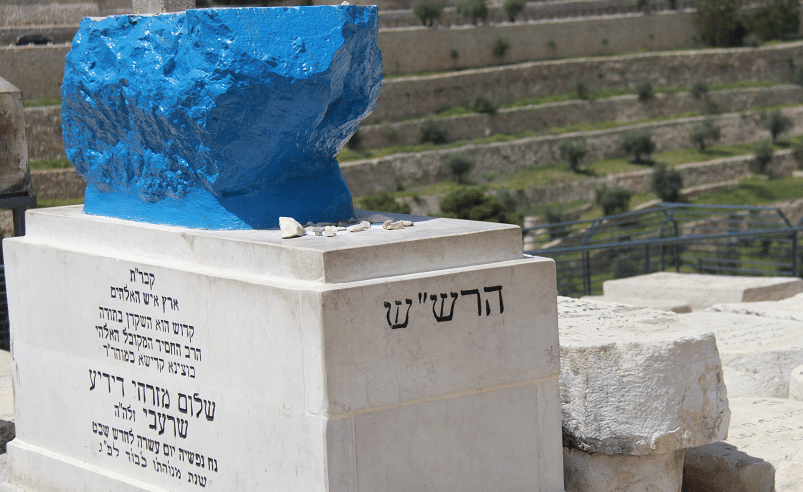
796	384
672	305
15	175
757	353
636	381
790	308
762	430
721	467
290	228
219	118
702	291
597	472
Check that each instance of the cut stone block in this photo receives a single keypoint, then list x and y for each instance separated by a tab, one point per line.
763	431
758	353
220	118
161	6
636	381
796	384
721	467
15	175
789	309
371	361
596	472
672	305
702	291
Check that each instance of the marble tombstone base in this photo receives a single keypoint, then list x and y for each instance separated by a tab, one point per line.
153	358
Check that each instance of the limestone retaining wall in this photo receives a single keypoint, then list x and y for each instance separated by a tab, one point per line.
16	15
533	11
537	118
401	170
36	70
43	131
57	184
729	169
420	49
407	97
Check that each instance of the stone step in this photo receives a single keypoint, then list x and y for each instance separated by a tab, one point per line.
763	451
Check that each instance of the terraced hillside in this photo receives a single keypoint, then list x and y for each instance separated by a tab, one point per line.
509	114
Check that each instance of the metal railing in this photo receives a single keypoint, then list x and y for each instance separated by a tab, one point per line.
716	239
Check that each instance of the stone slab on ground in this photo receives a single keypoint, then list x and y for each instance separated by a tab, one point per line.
395	360
790	308
597	472
673	305
636	381
702	291
758	353
763	431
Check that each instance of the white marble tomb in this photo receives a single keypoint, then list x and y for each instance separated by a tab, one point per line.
153	358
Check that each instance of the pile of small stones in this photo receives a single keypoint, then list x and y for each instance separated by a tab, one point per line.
292	228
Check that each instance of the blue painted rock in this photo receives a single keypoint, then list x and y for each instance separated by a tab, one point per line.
219	118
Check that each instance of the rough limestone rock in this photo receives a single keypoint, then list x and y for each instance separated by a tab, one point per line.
636	381
721	467
219	118
290	228
15	176
768	430
789	309
758	353
598	472
796	384
658	304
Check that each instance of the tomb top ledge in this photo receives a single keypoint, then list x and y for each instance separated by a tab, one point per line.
431	244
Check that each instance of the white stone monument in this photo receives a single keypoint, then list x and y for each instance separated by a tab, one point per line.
638	388
154	358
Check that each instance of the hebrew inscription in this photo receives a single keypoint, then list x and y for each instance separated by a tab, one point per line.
147	424
443	304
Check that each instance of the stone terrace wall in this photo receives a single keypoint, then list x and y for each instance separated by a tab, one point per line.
57	184
406	97
32	14
420	49
533	11
401	170
36	70
536	118
43	131
733	168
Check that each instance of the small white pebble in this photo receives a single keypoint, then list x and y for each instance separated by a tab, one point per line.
290	228
392	226
407	223
359	227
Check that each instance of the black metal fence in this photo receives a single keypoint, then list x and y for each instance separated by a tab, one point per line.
716	239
